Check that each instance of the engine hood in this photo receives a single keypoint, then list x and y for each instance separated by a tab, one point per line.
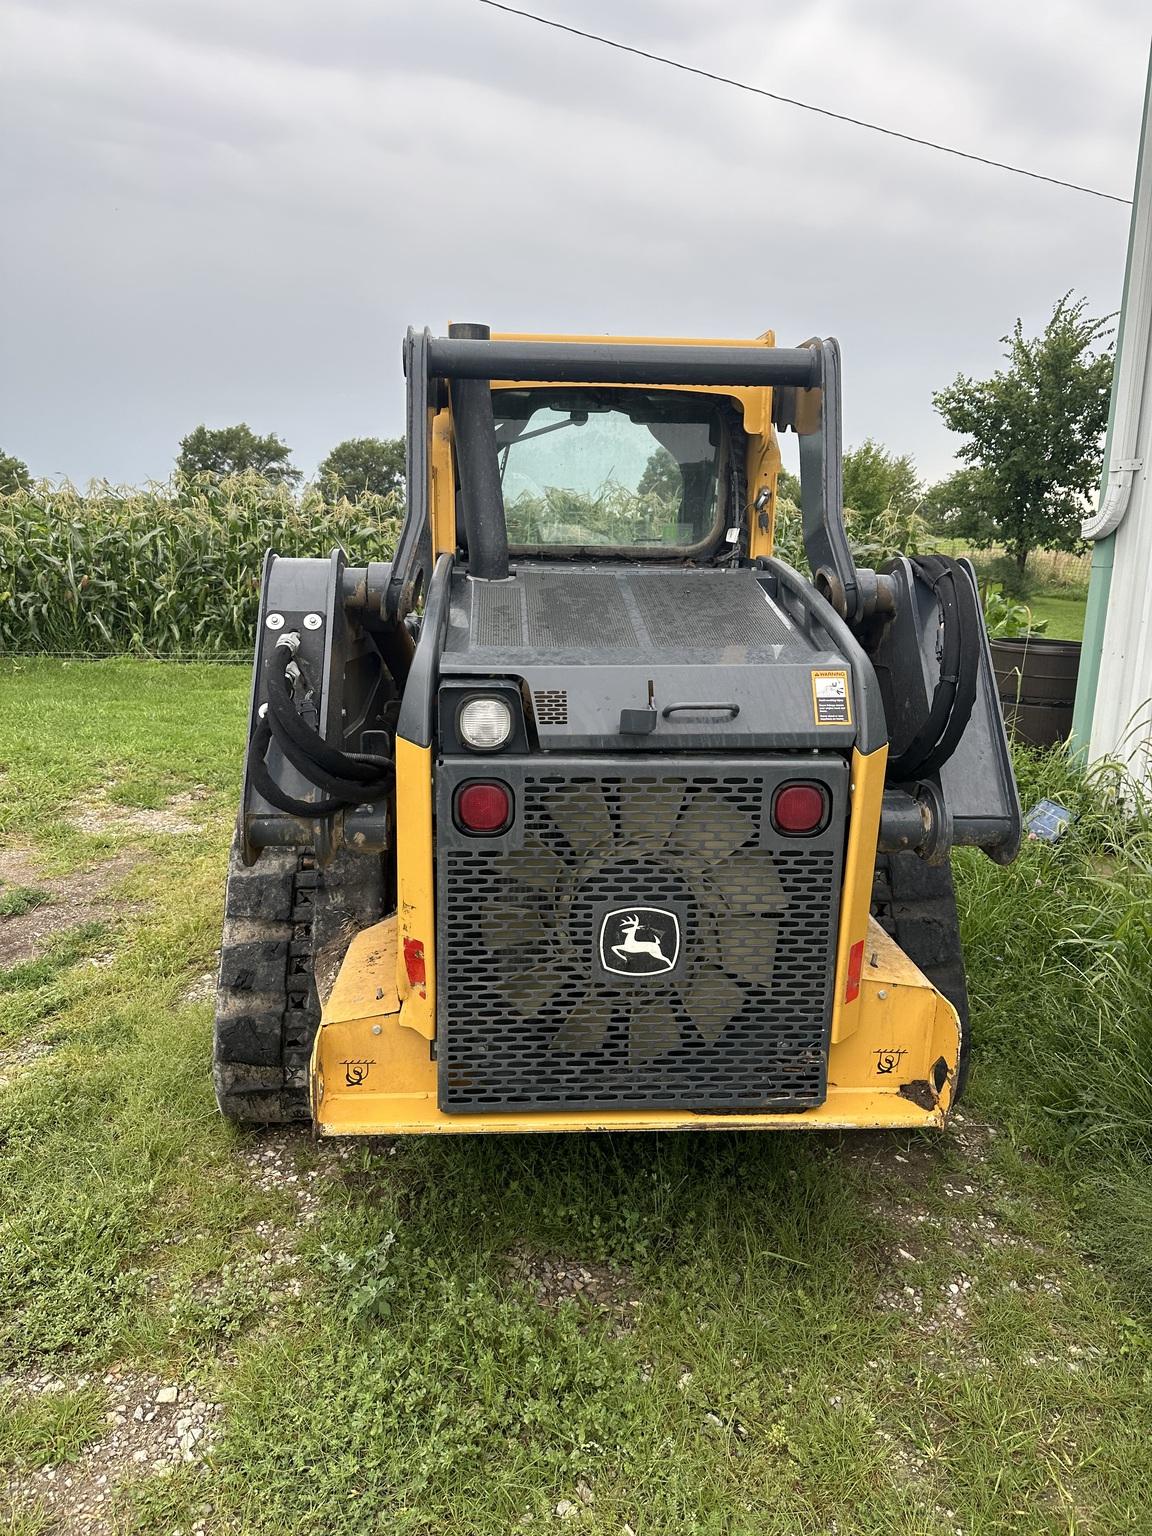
654	658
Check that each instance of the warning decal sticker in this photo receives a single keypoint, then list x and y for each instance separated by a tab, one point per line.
830	698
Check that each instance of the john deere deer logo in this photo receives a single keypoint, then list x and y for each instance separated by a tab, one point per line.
639	941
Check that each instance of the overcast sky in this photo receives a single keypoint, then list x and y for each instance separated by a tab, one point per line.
217	210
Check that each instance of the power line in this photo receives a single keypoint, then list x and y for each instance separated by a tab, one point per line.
806	106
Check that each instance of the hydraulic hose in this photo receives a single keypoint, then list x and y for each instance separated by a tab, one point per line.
346	778
955	692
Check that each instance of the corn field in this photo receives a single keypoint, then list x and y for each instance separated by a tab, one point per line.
164	570
174	569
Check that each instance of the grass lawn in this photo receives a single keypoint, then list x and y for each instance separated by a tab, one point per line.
1063	612
725	1334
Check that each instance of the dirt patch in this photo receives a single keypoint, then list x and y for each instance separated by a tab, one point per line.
178	817
203	989
558	1282
71	901
278	1162
151	1427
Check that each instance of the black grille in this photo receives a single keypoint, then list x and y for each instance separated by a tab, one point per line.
530	1016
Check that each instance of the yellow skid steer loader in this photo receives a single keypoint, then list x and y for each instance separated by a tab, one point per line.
585	812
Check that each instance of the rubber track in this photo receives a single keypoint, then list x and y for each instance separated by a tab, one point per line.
280	915
916	903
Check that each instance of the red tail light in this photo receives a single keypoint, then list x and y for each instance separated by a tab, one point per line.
483	807
798	810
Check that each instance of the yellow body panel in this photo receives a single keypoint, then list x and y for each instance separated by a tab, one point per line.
867	790
443	498
414	891
371	1076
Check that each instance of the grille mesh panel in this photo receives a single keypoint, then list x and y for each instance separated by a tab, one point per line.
529	1018
714	610
497	620
583	613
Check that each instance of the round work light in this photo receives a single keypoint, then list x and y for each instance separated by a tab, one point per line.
484	724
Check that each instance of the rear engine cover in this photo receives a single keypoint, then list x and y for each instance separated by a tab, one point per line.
641	937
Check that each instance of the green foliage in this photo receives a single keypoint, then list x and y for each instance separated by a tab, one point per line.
788	487
18	899
774	1339
663	476
957	507
1033	433
14	474
874	536
612	515
167	570
882	497
362	466
50	1428
1060	971
877	482
1006	619
235	450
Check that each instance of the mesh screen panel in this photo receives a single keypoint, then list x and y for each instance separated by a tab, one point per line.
497	620
720	612
531	1017
588	611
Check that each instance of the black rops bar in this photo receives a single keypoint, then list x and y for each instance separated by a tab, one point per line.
478	464
595	362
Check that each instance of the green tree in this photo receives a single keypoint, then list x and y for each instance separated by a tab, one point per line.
876	481
662	477
788	487
1034	431
232	451
14	474
364	464
958	507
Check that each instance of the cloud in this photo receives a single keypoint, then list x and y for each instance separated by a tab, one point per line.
218	212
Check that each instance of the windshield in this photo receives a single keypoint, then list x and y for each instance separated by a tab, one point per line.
624	468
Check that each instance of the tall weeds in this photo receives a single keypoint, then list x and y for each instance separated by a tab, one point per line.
1059	950
166	570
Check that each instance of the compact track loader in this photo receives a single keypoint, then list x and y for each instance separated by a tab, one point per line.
585	812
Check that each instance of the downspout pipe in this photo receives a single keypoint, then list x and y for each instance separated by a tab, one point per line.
1114	503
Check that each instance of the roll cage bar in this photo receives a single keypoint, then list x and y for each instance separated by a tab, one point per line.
806	399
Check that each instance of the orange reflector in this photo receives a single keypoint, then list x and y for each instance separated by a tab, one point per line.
855	968
414	962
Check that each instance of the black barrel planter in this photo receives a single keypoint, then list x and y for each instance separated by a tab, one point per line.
1036	681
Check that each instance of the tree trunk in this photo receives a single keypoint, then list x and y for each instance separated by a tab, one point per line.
1020	554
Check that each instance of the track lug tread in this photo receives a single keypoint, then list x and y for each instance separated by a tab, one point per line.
268	1009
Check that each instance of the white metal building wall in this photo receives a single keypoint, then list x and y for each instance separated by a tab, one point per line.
1122	716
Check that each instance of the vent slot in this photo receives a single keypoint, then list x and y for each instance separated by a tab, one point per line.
551	706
